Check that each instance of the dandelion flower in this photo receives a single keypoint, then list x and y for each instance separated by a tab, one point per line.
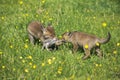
36	15
14	69
114	52
100	65
2	18
43	64
94	17
26	15
3	67
29	57
30	63
23	61
49	61
26	70
11	46
88	78
21	57
104	24
43	1
53	58
34	66
1	52
59	72
60	37
86	46
118	44
26	46
21	2
96	65
50	19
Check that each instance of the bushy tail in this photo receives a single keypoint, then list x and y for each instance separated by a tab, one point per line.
105	40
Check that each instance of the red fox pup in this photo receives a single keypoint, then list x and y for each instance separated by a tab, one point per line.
37	31
86	41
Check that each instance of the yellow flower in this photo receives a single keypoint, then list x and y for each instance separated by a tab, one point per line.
23	61
43	1
21	2
26	40
53	58
21	57
100	65
94	17
114	52
1	52
49	61
34	66
96	65
26	15
60	37
3	67
2	18
59	70
43	64
26	46
50	19
30	63
104	24
97	44
118	44
36	15
11	46
29	57
26	70
14	69
86	46
88	78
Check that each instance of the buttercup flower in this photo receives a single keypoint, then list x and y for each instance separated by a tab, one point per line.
118	44
21	2
114	52
86	46
49	61
29	57
2	18
3	67
11	46
43	64
30	63
26	46
104	24
1	52
26	70
34	66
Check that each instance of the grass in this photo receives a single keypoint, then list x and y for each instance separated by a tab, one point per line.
19	60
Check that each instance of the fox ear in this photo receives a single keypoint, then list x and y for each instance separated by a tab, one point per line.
69	33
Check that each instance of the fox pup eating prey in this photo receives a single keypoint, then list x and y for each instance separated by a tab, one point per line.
86	41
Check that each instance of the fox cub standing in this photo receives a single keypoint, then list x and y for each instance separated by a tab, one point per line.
86	41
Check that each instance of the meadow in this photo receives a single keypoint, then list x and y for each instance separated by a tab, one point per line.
20	60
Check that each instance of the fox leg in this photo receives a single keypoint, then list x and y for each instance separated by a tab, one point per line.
75	48
32	40
87	53
99	53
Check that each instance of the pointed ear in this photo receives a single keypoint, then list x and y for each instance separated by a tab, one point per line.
69	33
